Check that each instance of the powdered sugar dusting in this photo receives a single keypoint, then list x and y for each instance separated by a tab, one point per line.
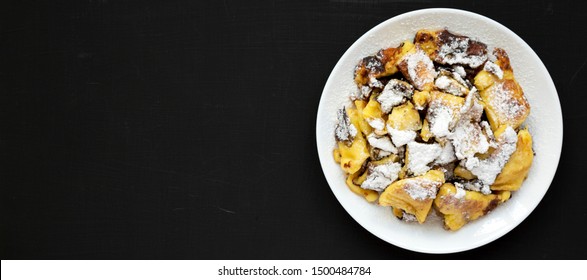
420	69
378	124
393	94
487	169
373	64
460	193
500	98
440	118
447	155
474	185
380	176
409	218
442	82
467	137
460	50
374	83
449	85
472	109
459	70
421	189
381	142
494	69
363	93
401	137
378	154
420	155
345	131
468	140
488	133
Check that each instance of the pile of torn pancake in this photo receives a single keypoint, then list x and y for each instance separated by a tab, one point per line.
435	126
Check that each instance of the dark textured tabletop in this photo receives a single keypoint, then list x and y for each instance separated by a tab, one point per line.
186	129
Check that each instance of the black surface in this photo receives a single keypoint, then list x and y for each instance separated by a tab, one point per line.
183	129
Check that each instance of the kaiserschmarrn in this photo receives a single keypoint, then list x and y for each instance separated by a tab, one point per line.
435	123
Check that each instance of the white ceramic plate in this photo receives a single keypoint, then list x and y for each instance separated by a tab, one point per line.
545	124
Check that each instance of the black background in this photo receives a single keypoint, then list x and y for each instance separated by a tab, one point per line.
186	129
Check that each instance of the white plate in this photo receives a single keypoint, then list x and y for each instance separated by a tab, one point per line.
545	124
